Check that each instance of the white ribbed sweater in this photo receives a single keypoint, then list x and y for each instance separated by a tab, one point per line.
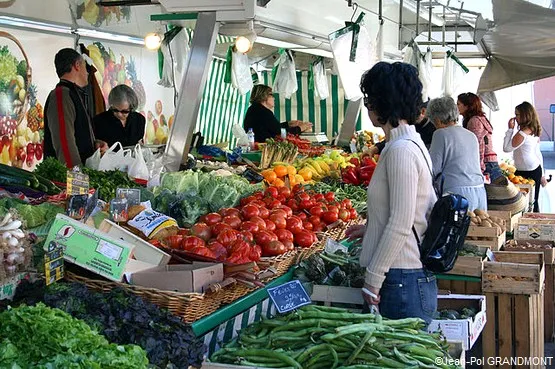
400	195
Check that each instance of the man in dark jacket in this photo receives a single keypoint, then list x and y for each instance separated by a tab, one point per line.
68	134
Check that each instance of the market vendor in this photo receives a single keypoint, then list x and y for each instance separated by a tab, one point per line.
261	119
400	197
121	123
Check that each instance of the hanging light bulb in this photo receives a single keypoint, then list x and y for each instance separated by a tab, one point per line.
242	44
153	41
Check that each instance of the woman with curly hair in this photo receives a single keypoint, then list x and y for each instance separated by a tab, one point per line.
400	198
525	145
474	119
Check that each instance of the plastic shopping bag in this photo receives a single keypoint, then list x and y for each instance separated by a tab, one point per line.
453	74
321	80
285	82
94	161
241	77
115	160
425	70
138	169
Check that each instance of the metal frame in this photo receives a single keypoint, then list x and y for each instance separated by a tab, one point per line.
191	90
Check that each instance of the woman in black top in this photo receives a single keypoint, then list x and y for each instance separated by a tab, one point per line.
121	123
261	119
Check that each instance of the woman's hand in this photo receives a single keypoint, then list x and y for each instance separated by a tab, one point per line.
372	150
512	123
371	300
543	181
305	126
355	233
103	146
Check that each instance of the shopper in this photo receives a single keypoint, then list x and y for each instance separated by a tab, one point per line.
525	144
474	119
400	196
261	119
121	123
68	134
455	155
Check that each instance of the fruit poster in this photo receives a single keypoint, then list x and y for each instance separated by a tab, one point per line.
21	114
96	15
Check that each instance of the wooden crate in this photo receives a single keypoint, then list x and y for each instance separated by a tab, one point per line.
514	329
539	229
469	265
336	294
510	218
514	273
460	287
490	237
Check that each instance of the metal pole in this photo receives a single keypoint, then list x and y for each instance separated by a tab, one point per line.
380	10
443	26
191	90
553	130
430	22
417	17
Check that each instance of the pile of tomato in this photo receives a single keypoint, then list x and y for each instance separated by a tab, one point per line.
268	223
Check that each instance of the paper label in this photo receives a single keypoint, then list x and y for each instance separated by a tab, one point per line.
149	222
332	246
53	263
289	296
109	250
132	195
77	183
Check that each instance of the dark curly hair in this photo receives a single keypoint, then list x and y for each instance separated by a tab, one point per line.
393	91
473	106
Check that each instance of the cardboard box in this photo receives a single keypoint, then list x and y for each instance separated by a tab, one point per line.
467	330
93	249
529	228
194	277
143	250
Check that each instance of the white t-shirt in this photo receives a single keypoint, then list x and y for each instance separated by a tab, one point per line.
527	155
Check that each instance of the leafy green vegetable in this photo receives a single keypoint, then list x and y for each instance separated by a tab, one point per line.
52	169
32	215
8	65
187	209
22	69
42	337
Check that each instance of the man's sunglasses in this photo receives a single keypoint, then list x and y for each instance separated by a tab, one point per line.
120	111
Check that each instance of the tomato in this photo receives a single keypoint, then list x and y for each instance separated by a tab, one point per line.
247	236
174	242
315	220
270	226
230	212
218	249
274	204
308	226
288	211
212	218
354	213
333	208
318	197
232	220
304	239
292	203
297	188
344	215
279	211
255	253
302	216
284	191
239	247
264	237
227	237
316	210
306	204
261	223
273	248
272	191
201	230
347	203
319	227
279	221
184	232
203	251
249	226
264	212
190	242
303	196
329	217
258	195
247	200
284	235
294	224
250	211
330	196
219	227
289	245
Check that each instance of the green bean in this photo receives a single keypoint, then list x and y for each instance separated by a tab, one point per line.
340	316
360	346
391	363
269	353
403	358
313	349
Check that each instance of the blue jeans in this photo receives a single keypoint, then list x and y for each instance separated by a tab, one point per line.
492	168
409	293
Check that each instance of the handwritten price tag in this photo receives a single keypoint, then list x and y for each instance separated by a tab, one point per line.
289	296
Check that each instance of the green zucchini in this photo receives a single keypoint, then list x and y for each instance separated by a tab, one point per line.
9	180
19	173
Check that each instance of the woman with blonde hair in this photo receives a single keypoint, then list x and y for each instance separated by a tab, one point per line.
525	145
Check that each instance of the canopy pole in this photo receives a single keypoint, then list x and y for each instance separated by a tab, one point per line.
191	90
401	25
417	18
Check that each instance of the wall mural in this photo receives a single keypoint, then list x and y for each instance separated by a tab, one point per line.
96	15
21	115
119	69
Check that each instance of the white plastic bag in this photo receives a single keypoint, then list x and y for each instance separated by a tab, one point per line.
241	77
286	77
167	71
350	72
413	56
112	160
321	80
241	136
453	73
425	70
94	161
544	200
138	168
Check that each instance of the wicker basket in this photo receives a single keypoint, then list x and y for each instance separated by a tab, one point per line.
281	263
189	306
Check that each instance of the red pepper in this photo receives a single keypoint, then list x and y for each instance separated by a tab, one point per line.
355	161
350	176
368	162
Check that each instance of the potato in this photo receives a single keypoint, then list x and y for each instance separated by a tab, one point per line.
475	220
486	223
483	216
471	214
479	212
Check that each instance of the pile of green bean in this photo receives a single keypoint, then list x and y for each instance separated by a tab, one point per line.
327	337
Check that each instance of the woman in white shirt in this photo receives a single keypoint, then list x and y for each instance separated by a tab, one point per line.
525	144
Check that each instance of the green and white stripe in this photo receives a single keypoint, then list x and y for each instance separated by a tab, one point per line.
222	106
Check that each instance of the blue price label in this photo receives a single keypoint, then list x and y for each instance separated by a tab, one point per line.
289	296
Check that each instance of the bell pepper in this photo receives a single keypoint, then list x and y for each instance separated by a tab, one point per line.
365	174
368	162
355	161
350	176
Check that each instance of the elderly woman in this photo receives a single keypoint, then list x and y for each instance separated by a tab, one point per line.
120	123
455	154
401	198
261	119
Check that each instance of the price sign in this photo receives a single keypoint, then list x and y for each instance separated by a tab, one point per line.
132	195
77	183
289	296
53	263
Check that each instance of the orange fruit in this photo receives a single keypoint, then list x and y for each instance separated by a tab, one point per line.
299	178
306	174
269	175
291	170
281	170
278	183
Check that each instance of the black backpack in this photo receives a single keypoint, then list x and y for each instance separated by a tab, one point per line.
447	227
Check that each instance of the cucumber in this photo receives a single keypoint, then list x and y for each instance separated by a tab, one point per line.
7	171
9	180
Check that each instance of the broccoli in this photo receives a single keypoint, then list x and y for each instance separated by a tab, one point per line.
187	209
